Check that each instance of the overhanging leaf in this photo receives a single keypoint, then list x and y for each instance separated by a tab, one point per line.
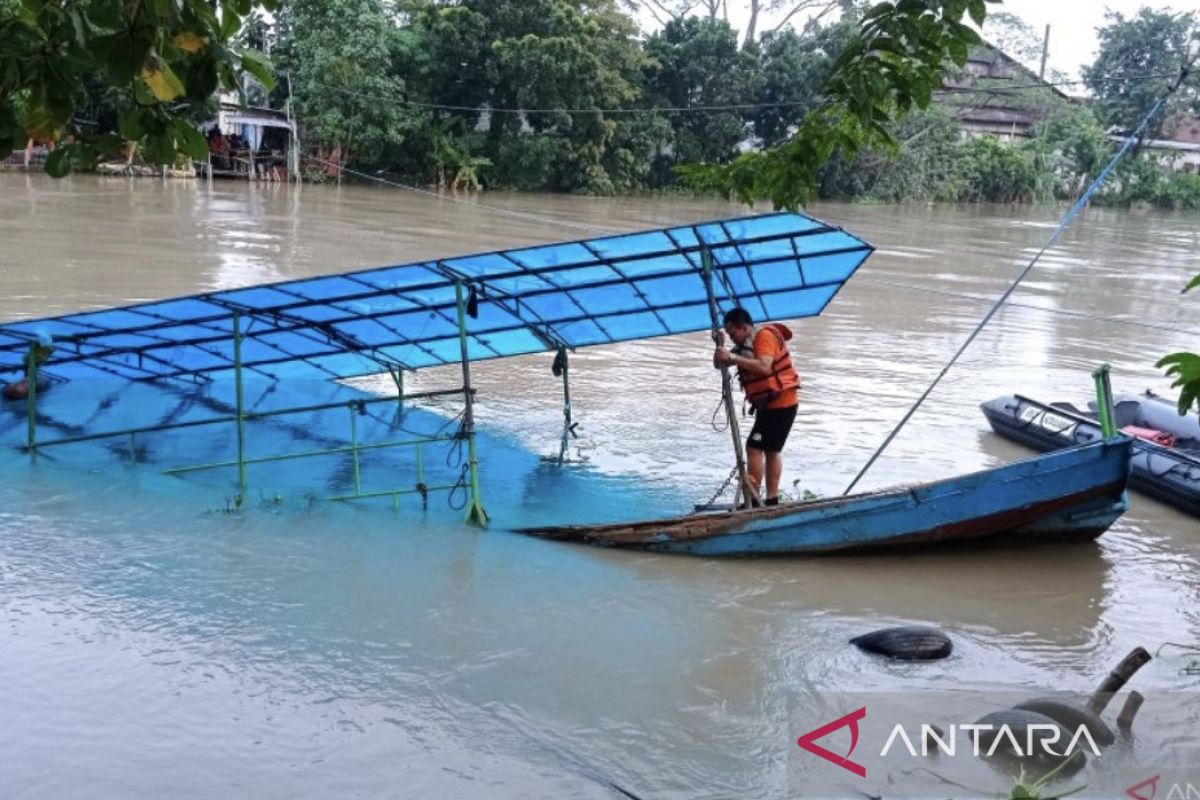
163	82
231	23
190	42
129	122
43	123
260	68
1194	283
190	141
1185	368
58	163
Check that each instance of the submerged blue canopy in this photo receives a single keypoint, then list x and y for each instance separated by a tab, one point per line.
611	289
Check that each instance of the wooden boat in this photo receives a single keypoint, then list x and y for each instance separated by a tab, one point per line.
1068	495
1166	447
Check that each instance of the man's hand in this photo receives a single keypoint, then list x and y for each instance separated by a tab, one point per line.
722	357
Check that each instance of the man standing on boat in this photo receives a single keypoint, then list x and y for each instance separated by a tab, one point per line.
772	386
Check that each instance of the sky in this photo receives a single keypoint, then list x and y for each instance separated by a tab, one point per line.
1072	23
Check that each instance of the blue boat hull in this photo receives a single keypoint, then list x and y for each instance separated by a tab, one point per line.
1069	495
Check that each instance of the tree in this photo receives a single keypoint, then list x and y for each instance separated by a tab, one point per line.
894	65
792	69
697	63
537	77
781	13
785	12
347	100
1137	57
168	58
662	11
1014	37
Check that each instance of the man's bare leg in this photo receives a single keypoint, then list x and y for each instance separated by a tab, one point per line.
754	468
774	473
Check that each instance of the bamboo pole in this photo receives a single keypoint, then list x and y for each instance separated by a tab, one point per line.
745	488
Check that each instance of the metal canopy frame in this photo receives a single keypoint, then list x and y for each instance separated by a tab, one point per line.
533	299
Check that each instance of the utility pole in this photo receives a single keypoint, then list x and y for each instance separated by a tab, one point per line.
1045	53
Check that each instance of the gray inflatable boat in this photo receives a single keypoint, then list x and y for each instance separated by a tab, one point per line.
1166	450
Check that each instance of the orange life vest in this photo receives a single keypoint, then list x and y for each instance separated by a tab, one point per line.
783	376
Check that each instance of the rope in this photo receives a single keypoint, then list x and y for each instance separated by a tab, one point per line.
1071	214
1062	311
459	489
497	209
719	411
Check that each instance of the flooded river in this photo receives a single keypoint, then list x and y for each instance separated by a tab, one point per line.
148	651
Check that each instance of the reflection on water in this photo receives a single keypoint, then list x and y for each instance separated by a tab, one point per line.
149	651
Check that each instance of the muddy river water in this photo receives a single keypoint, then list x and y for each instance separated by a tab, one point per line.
146	651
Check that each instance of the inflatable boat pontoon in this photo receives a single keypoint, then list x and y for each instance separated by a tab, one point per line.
1166	450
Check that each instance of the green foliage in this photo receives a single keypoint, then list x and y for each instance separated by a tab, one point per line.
996	172
1014	37
579	56
1069	148
791	70
340	54
1185	369
894	65
1180	191
698	63
1151	43
165	59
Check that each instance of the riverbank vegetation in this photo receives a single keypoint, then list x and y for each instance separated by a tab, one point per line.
573	96
567	96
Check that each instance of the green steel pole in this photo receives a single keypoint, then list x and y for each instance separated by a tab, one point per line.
31	376
398	379
241	410
1104	402
476	515
354	450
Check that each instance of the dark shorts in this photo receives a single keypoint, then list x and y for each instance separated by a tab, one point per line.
771	429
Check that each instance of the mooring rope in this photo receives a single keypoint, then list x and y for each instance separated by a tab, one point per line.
1072	213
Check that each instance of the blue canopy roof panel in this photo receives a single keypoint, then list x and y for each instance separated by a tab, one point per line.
573	294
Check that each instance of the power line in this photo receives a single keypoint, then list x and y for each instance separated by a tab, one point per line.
709	109
486	206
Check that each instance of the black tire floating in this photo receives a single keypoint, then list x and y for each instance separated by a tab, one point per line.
909	643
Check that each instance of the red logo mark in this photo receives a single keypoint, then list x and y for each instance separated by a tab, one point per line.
809	742
1146	790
